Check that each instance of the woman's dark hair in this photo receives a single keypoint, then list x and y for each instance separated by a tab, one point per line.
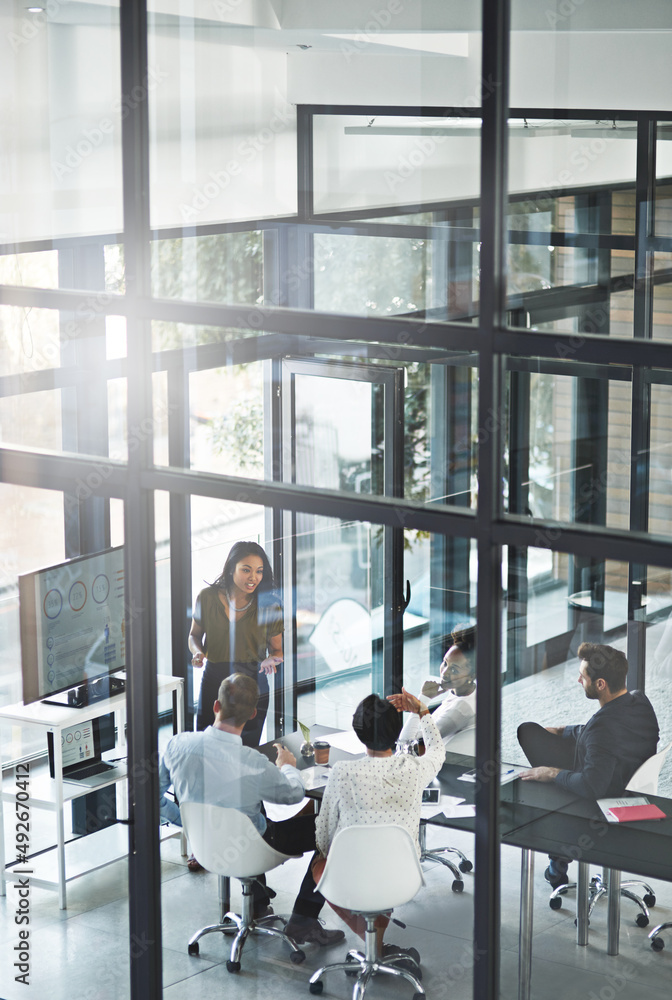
377	723
464	638
239	551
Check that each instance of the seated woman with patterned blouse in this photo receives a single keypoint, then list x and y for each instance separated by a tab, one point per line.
380	788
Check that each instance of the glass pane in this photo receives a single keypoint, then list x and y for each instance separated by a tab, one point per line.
339	617
38	269
31	536
366	276
571	460
663	207
30	340
32	420
545	669
335	434
224	268
222	123
577	154
442	574
361	164
226	420
62	128
216	525
662	296
660	472
597	297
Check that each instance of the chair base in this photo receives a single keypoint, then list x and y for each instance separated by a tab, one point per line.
435	854
657	942
365	965
599	889
243	925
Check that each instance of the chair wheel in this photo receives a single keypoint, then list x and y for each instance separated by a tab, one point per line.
657	944
576	922
297	957
649	899
642	920
465	866
555	902
193	948
351	972
232	966
419	996
316	987
458	885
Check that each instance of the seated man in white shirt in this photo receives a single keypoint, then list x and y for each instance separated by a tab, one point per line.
379	788
457	685
213	766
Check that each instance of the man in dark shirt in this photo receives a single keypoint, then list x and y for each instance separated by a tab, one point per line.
597	759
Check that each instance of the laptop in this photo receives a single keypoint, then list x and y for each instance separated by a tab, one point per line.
82	747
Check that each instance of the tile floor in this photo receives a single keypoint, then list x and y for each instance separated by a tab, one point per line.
82	953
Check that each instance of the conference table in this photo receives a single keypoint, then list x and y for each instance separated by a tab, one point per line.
536	816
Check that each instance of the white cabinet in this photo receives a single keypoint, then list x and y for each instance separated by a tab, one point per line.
52	868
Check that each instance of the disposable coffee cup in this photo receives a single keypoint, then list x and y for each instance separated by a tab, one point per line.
321	751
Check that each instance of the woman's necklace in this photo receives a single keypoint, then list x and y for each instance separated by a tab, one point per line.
233	607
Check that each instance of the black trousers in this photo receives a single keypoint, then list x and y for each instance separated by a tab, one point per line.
213	675
544	749
293	836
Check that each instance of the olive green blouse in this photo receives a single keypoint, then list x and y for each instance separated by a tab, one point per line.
247	639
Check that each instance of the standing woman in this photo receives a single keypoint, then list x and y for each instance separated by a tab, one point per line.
237	628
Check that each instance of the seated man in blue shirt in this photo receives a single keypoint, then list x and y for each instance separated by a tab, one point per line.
213	766
598	759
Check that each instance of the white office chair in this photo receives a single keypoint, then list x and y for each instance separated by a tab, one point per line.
645	782
226	842
370	870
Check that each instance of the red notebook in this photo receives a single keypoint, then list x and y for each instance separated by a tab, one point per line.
624	814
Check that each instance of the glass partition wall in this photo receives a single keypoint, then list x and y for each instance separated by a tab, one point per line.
413	344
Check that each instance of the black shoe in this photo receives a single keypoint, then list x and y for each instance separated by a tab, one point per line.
411	963
262	910
555	880
309	930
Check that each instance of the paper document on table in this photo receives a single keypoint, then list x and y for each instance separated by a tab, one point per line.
507	772
460	811
347	741
279	811
315	777
430	809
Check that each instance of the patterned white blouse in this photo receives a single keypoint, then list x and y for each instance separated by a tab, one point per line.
379	790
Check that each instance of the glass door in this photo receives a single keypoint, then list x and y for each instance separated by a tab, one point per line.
342	430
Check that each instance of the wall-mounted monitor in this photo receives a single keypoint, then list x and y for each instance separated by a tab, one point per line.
72	623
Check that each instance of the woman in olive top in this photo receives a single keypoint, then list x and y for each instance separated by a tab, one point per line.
237	628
